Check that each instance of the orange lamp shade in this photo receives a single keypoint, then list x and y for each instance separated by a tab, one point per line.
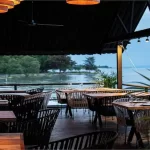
3	9
16	2
7	3
83	2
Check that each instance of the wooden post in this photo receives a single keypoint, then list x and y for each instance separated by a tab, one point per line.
15	87
119	66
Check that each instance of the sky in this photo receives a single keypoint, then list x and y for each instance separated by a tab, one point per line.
136	54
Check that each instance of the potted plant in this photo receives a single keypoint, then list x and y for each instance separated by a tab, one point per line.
107	80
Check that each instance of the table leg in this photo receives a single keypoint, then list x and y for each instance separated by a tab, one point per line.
139	139
99	119
68	108
133	130
95	118
98	116
130	137
138	136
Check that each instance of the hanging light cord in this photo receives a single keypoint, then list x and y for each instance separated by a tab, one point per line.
130	60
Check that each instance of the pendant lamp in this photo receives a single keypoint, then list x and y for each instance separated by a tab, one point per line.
3	9
16	2
7	3
83	2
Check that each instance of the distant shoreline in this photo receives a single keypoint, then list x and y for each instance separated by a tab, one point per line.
104	67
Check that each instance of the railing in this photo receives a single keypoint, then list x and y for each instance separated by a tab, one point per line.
15	86
41	84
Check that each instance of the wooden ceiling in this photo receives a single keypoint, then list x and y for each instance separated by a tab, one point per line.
85	30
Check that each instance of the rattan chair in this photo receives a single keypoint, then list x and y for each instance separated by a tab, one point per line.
123	118
142	124
47	96
76	100
93	140
62	98
35	131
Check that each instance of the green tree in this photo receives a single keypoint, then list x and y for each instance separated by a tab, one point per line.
61	62
44	62
9	65
30	65
78	67
89	63
14	67
4	64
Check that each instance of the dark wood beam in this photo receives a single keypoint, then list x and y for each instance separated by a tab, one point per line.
132	13
148	3
110	28
129	36
123	25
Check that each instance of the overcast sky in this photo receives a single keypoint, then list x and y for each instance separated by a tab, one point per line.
137	54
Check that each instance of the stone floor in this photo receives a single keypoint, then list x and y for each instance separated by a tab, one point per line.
66	127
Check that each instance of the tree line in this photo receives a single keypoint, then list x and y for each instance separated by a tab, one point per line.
42	63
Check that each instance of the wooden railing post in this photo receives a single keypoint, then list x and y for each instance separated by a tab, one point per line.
146	89
15	87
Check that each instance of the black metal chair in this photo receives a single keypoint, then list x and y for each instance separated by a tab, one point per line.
35	131
29	108
4	105
13	100
93	140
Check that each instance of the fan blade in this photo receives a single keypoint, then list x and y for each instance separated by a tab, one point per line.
21	21
54	25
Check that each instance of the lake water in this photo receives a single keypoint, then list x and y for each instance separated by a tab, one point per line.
129	76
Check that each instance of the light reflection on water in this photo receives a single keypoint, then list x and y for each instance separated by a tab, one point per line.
46	78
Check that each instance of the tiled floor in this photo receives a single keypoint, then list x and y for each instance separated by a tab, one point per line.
81	123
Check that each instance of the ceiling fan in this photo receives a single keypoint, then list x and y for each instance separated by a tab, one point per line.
33	23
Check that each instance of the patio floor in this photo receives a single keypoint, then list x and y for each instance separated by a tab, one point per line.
81	123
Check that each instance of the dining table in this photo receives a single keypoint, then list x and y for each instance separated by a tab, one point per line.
22	94
7	116
12	91
133	107
141	94
11	141
88	90
96	100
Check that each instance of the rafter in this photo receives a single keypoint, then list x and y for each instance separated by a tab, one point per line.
111	26
132	13
148	3
122	23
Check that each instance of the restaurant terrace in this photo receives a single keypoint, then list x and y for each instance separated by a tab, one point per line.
87	118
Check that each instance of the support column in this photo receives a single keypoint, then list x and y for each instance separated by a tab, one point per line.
119	66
